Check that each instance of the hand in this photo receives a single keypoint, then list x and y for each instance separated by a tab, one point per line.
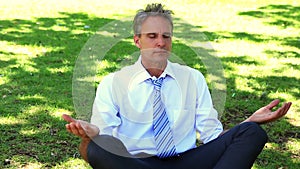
80	128
265	114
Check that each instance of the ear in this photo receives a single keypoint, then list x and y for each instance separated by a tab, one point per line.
137	42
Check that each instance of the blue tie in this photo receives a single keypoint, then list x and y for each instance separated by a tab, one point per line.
161	125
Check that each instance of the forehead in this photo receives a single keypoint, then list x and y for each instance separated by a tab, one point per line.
156	24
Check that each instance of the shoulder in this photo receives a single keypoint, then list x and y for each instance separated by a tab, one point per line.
119	80
124	72
106	81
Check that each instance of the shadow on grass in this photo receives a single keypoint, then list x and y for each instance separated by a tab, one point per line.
283	16
279	15
35	89
240	104
273	158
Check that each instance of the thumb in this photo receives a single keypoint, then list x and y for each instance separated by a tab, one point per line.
68	118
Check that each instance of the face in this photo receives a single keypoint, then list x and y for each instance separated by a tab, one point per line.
155	41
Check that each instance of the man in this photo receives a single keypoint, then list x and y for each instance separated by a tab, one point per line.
147	114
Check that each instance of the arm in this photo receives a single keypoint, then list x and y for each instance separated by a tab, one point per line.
103	118
265	114
207	122
82	129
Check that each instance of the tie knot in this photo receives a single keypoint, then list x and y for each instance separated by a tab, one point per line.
157	83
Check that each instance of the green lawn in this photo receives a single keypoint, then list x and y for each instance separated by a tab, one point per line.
54	53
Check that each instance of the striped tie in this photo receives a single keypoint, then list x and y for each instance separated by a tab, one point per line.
161	125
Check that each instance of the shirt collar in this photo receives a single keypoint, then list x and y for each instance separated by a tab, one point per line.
142	75
169	70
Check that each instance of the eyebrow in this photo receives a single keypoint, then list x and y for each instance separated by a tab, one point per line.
155	33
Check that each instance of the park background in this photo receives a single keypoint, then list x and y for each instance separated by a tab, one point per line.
256	42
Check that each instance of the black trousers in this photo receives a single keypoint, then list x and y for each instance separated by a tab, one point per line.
238	148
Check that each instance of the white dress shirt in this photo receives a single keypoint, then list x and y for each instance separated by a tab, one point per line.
123	107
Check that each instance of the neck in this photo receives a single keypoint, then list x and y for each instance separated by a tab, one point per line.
155	72
155	69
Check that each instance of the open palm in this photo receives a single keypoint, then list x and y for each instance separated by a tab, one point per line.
80	128
265	114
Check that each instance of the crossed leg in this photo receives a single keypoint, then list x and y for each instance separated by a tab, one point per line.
238	148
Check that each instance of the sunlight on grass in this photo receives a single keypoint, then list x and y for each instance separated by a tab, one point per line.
24	162
62	69
72	163
293	116
89	79
59	112
294	146
33	109
104	64
51	8
242	48
28	132
271	146
31	165
11	120
59	28
102	68
31	51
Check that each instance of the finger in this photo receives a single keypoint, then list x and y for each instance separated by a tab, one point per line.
81	129
282	110
68	128
274	103
89	130
78	125
86	128
68	118
75	128
82	132
287	107
84	125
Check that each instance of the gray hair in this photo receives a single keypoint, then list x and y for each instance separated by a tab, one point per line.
151	10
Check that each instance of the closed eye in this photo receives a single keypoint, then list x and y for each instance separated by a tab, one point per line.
166	36
152	35
155	35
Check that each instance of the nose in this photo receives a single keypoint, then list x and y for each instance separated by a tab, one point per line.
161	41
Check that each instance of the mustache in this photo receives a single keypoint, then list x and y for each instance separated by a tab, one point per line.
161	51
156	50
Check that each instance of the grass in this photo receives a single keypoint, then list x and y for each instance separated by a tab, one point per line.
255	45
